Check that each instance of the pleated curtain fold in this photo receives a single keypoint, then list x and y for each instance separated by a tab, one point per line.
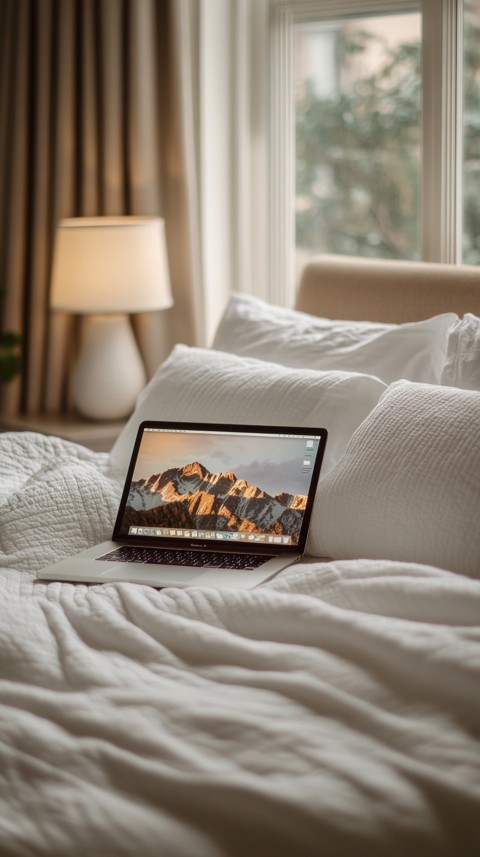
97	117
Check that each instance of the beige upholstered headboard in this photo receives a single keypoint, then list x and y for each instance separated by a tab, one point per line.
388	291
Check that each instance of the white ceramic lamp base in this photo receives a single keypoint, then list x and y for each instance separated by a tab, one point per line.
109	373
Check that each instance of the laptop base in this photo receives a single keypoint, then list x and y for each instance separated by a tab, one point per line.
78	569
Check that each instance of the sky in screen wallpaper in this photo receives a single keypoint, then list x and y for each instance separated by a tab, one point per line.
274	464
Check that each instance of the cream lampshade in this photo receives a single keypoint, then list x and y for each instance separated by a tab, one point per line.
106	267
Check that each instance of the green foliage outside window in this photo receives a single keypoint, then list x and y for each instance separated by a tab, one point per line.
358	154
471	141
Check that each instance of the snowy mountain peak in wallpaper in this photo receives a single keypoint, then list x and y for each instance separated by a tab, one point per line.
192	497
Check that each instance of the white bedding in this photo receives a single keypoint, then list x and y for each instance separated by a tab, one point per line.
334	711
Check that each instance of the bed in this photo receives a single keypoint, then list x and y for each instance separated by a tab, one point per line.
335	710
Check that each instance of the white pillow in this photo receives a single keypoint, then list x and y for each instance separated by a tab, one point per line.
253	328
462	365
408	486
201	385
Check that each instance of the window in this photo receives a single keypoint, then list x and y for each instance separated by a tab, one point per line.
471	133
358	146
375	131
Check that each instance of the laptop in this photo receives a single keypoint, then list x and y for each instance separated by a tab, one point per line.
225	506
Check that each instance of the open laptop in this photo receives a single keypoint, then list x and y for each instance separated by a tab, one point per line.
226	506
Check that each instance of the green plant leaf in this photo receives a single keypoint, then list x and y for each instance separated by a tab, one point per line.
10	355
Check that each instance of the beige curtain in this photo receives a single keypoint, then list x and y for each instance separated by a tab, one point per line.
97	116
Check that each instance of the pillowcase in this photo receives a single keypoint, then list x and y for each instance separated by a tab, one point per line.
416	351
408	486
462	365
200	385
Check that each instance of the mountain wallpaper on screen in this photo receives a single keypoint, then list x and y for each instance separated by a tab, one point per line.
191	497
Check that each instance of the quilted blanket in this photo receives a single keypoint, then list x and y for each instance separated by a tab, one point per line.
334	711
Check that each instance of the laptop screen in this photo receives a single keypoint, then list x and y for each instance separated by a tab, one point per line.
221	486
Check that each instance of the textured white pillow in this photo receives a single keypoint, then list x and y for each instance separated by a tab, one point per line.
201	385
462	365
253	328
408	486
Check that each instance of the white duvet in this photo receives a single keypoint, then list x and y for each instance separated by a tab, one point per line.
334	711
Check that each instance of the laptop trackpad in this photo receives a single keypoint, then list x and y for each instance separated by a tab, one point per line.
140	572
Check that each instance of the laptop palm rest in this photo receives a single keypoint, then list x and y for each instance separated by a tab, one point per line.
149	574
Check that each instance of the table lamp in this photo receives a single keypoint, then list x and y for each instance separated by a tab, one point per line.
106	268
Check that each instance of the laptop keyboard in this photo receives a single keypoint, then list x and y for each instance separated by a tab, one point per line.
197	559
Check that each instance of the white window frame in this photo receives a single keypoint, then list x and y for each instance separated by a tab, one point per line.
442	36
